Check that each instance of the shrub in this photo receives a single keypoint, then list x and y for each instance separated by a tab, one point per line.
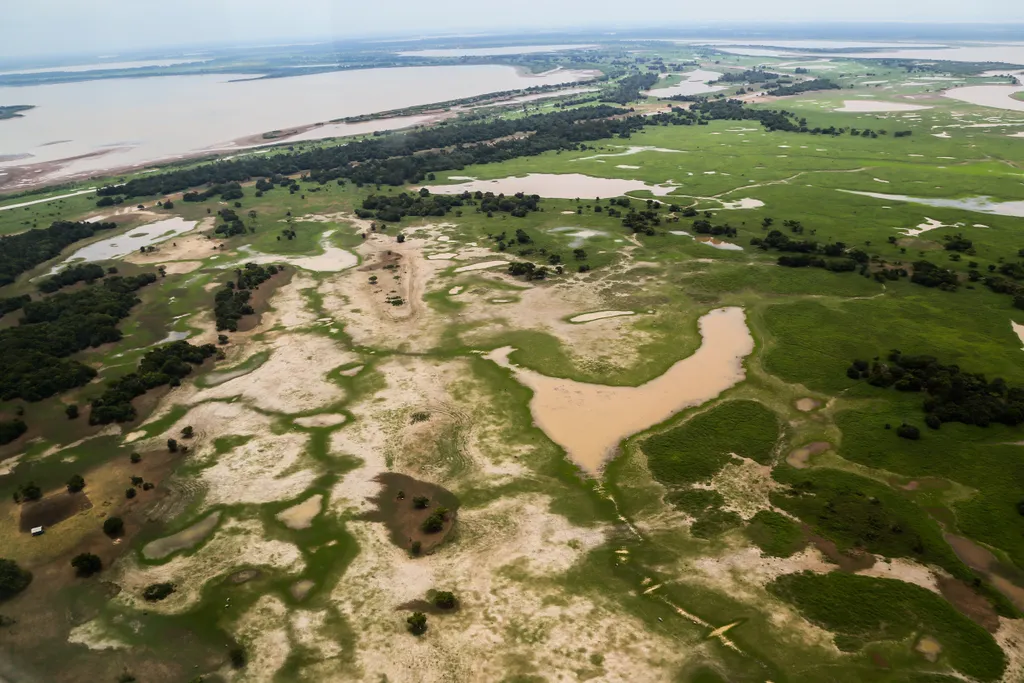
135	458
71	411
420	502
113	526
417	546
76	483
417	623
86	564
906	431
13	579
157	591
129	493
445	599
172	445
28	492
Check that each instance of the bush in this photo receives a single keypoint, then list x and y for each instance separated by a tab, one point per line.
13	579
172	445
76	483
417	546
417	623
86	564
445	600
906	431
135	458
129	493
157	591
420	502
113	526
28	492
71	411
435	522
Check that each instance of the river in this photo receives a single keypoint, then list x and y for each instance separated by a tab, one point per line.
117	123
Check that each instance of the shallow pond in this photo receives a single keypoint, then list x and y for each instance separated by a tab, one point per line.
977	204
556	186
590	420
693	83
332	260
129	242
186	538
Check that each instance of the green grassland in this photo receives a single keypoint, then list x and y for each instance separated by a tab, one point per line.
808	325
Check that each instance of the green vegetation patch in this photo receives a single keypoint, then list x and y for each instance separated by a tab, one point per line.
860	513
775	534
697	449
862	609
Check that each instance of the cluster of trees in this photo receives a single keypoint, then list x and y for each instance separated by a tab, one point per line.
928	274
28	492
1000	285
13	579
33	355
804	86
527	270
83	272
13	303
435	522
628	89
748	76
227	191
11	430
231	303
835	256
393	159
166	364
24	251
392	208
702	226
952	394
232	224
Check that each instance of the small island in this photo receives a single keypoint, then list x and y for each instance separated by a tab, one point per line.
14	111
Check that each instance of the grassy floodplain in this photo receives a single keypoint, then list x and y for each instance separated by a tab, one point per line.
779	531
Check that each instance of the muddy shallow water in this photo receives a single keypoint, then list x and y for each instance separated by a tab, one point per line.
978	204
129	242
590	420
186	538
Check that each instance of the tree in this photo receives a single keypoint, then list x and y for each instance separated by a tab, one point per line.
113	526
401	238
420	502
172	445
130	493
13	579
76	483
908	432
71	411
86	564
445	599
135	458
28	492
417	623
187	432
416	546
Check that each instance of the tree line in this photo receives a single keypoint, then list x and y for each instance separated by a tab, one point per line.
952	395
393	159
167	364
34	354
24	251
231	303
83	272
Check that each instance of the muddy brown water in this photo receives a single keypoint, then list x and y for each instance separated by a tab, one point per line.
969	602
1007	580
800	457
52	510
402	519
590	420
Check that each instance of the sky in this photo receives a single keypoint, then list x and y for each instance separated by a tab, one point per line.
102	27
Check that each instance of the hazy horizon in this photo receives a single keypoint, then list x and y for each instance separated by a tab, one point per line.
110	27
